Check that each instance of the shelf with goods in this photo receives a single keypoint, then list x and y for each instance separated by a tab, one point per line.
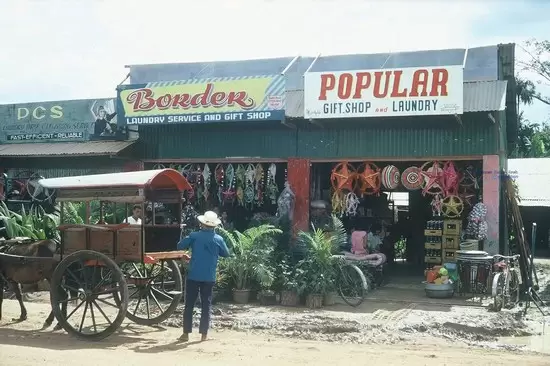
452	230
433	245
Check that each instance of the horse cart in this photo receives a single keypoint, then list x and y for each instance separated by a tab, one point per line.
109	272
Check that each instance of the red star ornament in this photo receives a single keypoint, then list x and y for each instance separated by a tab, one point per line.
342	177
432	174
451	179
369	178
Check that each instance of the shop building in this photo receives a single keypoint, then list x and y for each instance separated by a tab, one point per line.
61	138
466	125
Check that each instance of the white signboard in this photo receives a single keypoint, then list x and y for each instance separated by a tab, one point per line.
415	91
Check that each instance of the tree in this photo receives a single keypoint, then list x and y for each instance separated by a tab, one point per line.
537	61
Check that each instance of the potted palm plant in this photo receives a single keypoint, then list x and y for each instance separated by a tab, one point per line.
287	283
252	251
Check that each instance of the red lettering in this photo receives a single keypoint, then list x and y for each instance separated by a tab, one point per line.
395	93
144	100
420	80
378	80
345	82
440	77
363	82
328	81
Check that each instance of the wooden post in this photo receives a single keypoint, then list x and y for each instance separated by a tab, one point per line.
299	177
491	198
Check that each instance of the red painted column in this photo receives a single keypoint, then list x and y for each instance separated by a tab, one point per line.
299	176
491	198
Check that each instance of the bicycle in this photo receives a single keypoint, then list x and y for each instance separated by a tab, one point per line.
505	287
351	282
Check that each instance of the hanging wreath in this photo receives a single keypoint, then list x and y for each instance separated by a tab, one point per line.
259	175
412	178
206	176
229	192
452	207
338	203
369	178
249	186
432	176
219	176
390	177
240	177
351	203
342	177
271	186
451	179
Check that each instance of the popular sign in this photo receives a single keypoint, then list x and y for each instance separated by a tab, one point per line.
70	120
381	93
203	101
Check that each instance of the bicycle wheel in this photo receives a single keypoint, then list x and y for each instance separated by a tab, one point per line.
513	288
352	285
497	291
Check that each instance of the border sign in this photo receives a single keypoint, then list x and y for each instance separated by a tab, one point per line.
415	91
67	120
260	98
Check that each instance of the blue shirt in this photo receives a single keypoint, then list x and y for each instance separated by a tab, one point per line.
206	247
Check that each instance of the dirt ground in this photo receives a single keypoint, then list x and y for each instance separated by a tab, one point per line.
242	344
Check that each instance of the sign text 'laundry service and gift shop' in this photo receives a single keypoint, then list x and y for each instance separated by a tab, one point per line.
203	101
384	93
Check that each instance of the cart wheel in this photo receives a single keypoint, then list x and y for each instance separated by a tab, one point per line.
89	295
155	291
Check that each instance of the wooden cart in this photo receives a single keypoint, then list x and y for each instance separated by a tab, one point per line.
110	272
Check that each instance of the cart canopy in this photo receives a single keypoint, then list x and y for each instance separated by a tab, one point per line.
129	187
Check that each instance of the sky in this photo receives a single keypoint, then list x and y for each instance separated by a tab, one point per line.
67	49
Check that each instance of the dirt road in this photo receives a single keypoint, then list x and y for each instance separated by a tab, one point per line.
24	344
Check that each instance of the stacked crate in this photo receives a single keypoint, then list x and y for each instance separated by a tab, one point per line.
451	239
433	244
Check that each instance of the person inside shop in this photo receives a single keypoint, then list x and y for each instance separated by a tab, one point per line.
373	238
227	225
358	241
206	247
135	219
102	125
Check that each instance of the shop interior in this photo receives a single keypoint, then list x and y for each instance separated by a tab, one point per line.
415	210
243	194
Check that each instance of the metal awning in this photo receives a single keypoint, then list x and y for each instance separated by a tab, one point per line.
88	148
479	96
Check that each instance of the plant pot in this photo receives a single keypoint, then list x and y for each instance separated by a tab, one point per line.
289	298
241	296
329	299
314	301
267	298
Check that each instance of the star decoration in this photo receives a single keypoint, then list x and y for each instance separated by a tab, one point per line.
369	179
452	206
451	179
342	177
467	196
432	176
469	178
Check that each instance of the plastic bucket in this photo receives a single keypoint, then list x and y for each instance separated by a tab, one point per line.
469	245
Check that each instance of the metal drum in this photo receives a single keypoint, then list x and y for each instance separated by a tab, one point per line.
474	272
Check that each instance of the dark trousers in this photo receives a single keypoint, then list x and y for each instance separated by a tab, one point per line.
192	290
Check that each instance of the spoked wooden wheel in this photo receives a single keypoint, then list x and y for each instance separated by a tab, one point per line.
155	291
89	295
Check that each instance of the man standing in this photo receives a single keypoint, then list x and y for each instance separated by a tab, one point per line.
135	219
206	247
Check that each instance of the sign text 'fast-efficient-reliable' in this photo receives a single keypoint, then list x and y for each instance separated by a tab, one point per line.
384	93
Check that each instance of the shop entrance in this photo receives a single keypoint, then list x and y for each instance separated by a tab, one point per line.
412	212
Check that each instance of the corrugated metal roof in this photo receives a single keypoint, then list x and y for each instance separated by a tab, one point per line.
485	96
532	177
479	96
64	148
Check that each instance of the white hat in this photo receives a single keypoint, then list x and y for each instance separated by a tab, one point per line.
210	219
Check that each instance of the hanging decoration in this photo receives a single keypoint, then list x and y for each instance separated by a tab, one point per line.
229	192
452	207
467	194
187	172
206	175
432	176
437	205
451	179
351	204
342	177
469	178
240	177
271	186
369	179
285	202
411	178
197	173
338	203
477	227
390	177
259	184
219	176
249	186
